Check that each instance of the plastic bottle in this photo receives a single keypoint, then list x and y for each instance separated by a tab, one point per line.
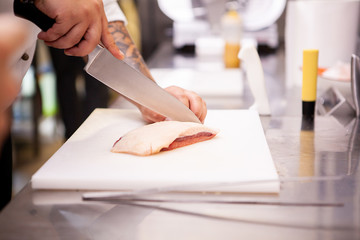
231	27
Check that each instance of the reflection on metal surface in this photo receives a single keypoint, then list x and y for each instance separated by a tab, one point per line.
307	148
196	188
355	82
239	220
354	148
96	221
307	123
332	102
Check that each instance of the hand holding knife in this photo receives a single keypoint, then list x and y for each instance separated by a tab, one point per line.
66	24
120	76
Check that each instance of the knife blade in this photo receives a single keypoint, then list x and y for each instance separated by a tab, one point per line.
128	81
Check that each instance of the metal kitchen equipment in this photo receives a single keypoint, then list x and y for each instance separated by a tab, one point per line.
332	102
355	82
194	19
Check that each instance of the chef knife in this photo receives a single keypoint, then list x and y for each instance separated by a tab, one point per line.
128	81
117	74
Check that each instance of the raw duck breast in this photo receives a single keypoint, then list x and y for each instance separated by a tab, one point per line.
162	136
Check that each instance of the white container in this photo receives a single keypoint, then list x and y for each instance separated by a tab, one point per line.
328	25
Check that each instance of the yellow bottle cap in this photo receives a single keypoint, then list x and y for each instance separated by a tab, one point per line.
310	71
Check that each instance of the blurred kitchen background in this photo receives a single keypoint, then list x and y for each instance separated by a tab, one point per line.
183	34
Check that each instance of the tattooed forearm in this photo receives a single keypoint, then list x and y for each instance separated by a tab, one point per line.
127	46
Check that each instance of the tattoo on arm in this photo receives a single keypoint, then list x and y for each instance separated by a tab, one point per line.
126	45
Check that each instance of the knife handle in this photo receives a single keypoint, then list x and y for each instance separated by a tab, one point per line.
27	9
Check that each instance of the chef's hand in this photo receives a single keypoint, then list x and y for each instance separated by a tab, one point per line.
134	58
79	26
193	101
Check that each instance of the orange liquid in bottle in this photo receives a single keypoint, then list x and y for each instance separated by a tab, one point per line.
231	58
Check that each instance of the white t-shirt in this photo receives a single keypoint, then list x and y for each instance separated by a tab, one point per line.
112	11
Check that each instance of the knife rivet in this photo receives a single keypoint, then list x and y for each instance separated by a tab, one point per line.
25	57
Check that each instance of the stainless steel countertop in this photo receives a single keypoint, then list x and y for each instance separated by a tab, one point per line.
330	151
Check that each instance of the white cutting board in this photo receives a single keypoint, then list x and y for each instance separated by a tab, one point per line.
238	153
